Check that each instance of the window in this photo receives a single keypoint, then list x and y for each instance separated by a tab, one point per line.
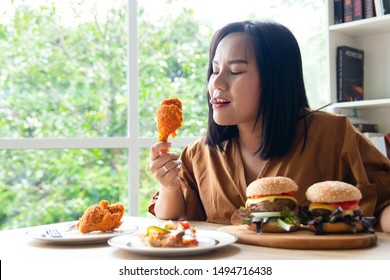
80	82
63	108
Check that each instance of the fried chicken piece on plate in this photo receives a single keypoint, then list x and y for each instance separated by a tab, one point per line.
169	118
101	217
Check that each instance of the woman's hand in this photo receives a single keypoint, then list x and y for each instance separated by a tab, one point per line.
165	166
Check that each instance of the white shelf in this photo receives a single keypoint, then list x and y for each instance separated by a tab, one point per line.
376	103
373	36
363	27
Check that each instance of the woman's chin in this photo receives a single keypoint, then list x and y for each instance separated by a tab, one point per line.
222	121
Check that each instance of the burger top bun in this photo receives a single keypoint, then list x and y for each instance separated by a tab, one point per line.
271	185
332	191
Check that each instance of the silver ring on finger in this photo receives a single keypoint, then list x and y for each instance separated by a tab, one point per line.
165	168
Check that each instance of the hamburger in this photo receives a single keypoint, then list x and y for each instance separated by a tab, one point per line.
269	206
334	208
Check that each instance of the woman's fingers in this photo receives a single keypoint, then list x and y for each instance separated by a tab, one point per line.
166	166
167	178
155	150
170	165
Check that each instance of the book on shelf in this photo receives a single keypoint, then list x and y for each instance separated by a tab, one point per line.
369	9
358	9
386	7
348	10
350	73
338	11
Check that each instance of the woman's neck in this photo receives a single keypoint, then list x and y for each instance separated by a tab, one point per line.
249	139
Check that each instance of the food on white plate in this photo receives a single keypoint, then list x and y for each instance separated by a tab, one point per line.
334	208
182	234
101	217
269	206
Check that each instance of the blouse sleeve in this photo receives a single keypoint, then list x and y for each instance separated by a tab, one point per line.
194	209
370	169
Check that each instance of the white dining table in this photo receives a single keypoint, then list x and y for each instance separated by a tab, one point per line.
26	256
16	243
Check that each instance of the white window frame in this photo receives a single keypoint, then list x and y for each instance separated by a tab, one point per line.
132	142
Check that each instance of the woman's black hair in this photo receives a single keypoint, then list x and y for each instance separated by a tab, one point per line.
282	92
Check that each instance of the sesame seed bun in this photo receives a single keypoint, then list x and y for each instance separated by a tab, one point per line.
271	185
332	191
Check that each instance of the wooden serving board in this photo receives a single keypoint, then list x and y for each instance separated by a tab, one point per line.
302	239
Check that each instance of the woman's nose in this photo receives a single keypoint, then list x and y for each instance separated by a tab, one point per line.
220	82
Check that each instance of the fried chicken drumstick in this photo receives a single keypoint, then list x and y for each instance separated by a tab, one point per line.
169	118
101	217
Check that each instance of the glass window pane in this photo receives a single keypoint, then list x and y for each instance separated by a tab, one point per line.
63	68
148	184
47	186
173	51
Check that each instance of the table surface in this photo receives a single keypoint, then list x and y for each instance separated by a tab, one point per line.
16	244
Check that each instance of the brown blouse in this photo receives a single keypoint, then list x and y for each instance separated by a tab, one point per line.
214	186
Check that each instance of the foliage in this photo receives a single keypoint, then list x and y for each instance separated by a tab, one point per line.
51	186
173	61
62	81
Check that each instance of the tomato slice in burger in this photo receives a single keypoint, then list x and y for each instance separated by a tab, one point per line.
278	194
347	205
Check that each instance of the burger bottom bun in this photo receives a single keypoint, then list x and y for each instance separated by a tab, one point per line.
338	227
272	228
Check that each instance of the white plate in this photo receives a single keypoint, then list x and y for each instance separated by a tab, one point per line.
208	240
71	235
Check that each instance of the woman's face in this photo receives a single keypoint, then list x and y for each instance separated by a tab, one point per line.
234	86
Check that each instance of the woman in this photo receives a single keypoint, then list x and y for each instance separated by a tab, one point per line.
260	125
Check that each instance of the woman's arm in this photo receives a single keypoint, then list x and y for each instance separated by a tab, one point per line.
165	168
384	220
170	204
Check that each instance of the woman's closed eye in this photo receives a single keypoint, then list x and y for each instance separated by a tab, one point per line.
231	72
